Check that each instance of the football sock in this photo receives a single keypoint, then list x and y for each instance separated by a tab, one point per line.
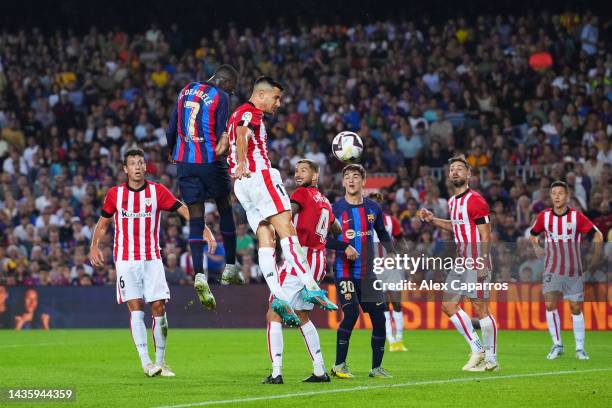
489	337
196	243
228	231
378	337
463	324
351	314
294	254
160	332
313	344
275	346
139	335
578	321
554	326
389	327
398	318
267	264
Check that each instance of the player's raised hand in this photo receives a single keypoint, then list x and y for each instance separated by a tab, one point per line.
351	253
96	257
425	215
242	171
209	238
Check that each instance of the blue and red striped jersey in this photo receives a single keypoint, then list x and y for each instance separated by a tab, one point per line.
358	224
197	123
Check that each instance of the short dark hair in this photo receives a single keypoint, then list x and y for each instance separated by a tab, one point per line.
559	183
226	72
131	153
314	166
378	197
354	167
459	158
268	80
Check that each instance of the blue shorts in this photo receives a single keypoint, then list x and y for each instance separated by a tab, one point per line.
199	182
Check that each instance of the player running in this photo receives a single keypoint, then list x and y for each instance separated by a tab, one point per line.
261	193
565	228
470	224
136	208
196	135
312	217
393	306
359	217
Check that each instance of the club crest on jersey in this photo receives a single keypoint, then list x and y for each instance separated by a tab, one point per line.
347	296
246	117
148	201
371	218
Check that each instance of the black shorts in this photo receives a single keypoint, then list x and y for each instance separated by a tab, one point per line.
361	293
199	182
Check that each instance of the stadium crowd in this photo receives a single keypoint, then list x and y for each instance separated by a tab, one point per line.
528	99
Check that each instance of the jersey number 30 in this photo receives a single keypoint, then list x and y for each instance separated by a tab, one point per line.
323	224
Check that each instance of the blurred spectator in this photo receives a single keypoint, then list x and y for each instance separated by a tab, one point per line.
31	317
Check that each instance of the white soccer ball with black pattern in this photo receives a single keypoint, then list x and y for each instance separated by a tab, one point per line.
347	147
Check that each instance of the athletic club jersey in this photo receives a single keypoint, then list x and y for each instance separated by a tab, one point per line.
136	214
393	228
314	218
257	148
467	210
563	237
197	123
359	223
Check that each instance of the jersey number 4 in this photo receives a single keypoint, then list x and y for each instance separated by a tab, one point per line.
194	108
323	224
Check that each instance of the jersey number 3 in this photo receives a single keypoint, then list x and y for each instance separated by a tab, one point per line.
323	224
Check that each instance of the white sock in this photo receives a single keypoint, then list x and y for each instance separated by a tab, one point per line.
294	254
139	335
578	321
463	324
554	326
398	318
488	326
389	327
311	338
267	264
275	346
160	332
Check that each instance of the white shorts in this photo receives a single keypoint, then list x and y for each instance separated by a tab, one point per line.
572	287
262	195
141	280
291	283
458	280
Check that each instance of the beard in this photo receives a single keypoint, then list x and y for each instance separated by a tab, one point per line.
459	182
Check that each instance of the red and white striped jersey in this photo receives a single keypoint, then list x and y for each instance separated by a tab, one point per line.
257	139
394	230
137	214
467	210
563	237
316	260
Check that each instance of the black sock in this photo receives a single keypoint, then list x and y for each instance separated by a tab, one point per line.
342	344
378	337
228	231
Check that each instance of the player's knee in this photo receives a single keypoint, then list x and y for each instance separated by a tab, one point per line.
351	314
158	308
397	306
480	310
550	305
449	308
576	308
377	318
304	316
196	211
271	316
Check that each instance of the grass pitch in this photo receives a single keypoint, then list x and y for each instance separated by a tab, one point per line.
225	367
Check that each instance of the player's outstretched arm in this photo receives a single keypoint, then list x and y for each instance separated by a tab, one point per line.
241	152
95	254
428	216
597	249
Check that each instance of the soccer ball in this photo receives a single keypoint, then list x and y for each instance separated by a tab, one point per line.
347	147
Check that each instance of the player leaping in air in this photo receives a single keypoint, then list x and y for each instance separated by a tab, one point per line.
312	217
196	135
565	228
260	190
469	222
136	208
359	217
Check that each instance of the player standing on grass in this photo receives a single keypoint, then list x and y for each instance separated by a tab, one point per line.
470	224
393	306
312	217
261	193
196	136
136	208
359	218
564	228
